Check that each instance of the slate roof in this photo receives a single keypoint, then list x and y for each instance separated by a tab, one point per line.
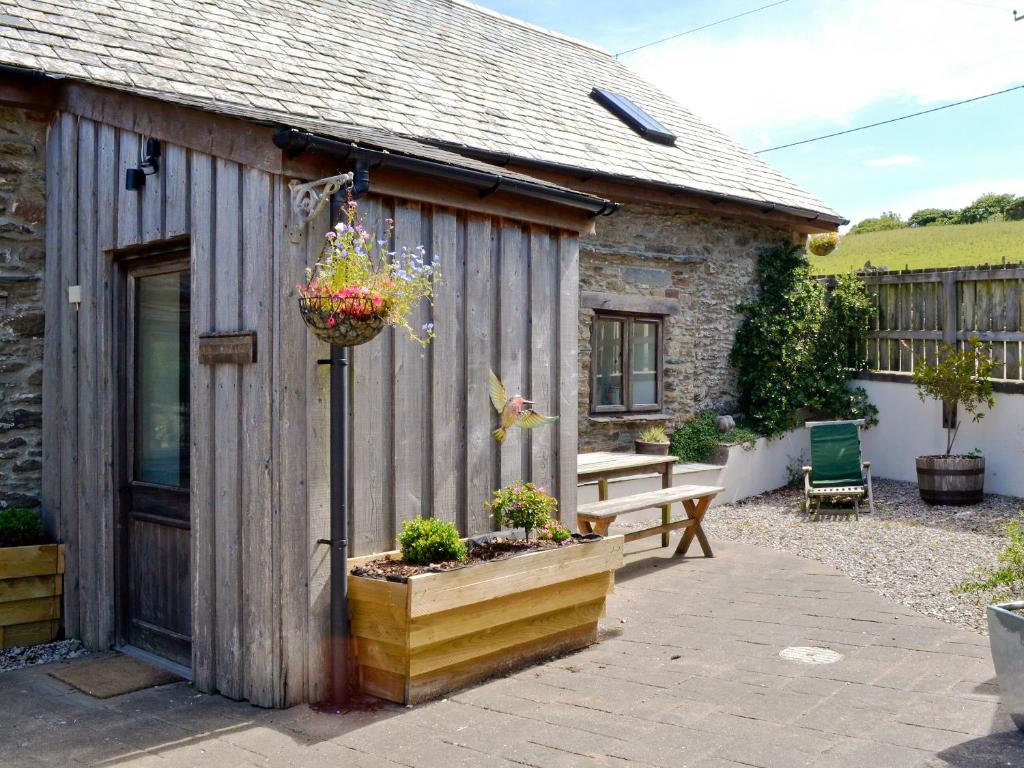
429	70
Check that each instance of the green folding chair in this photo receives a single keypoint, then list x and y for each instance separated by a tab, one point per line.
837	469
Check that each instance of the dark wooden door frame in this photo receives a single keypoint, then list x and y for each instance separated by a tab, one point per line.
159	258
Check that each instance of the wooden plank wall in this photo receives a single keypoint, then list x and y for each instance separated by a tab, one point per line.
920	309
420	421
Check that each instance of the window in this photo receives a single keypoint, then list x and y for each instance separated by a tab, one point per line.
625	365
633	116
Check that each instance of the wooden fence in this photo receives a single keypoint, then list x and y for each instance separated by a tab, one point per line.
920	309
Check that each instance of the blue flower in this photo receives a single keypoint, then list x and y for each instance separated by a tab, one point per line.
427	327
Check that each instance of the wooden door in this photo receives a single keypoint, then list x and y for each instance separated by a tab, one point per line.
154	522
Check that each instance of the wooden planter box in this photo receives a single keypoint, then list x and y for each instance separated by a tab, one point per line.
442	631
31	585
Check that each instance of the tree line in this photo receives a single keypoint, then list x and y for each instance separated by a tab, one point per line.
989	207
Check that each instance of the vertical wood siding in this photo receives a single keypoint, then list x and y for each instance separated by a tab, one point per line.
420	420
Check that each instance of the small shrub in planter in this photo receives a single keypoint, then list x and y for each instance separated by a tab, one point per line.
425	541
523	505
20	527
959	379
653	440
552	530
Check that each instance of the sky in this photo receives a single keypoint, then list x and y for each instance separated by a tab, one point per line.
810	67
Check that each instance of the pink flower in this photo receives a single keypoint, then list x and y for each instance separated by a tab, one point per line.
332	321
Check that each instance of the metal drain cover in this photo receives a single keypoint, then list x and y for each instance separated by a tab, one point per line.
806	655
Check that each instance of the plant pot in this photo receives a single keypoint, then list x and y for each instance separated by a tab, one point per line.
651	449
951	480
438	632
1006	637
31	585
345	322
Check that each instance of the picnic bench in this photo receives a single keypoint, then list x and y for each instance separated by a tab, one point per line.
598	516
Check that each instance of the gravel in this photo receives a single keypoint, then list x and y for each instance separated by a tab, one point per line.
908	551
18	657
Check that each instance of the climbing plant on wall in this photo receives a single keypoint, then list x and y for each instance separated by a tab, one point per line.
799	342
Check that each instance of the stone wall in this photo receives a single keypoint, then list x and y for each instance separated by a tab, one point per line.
704	261
22	214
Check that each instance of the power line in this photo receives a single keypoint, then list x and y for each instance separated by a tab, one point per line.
891	120
698	29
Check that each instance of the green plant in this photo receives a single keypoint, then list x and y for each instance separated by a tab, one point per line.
823	244
522	505
357	275
798	344
888	220
428	540
959	378
927	217
655	434
552	530
20	527
1007	577
696	439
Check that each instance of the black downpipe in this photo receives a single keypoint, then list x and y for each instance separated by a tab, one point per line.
339	397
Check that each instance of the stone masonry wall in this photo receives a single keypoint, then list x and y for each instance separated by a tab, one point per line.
707	262
22	214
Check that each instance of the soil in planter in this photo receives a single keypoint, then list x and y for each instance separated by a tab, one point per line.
495	549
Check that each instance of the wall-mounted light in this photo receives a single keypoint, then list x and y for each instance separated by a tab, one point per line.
149	163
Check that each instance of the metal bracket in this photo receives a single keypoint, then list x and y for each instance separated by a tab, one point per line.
342	543
309	198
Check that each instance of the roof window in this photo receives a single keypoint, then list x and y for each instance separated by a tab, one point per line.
633	116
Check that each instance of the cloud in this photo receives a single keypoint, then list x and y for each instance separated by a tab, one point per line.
886	162
819	69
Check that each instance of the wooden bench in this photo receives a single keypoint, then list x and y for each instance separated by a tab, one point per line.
598	516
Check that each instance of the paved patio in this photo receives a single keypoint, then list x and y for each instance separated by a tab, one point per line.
688	674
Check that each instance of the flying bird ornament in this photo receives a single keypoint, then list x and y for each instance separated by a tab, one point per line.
511	411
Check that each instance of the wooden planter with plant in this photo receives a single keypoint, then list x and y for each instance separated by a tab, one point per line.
652	441
443	612
959	378
31	581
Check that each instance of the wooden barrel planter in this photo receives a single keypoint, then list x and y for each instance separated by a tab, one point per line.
951	480
31	586
437	632
650	449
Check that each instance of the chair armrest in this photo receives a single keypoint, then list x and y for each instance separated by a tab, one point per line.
867	464
807	470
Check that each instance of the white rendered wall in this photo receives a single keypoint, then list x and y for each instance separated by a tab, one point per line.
909	428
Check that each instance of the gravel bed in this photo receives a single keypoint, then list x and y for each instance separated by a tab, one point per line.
908	551
18	657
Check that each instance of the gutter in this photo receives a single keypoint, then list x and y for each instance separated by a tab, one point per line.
504	159
294	142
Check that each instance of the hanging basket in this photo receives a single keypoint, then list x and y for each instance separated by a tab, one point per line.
344	322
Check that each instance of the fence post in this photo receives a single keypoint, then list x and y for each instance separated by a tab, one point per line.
950	325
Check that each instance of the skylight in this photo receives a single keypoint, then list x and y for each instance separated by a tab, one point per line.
633	116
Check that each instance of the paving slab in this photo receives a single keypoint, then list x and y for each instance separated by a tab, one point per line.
687	675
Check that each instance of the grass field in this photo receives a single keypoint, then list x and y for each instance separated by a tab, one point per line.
944	246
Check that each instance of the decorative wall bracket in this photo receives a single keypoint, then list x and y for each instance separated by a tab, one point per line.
309	198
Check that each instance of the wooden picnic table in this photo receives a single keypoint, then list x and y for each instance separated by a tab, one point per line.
606	465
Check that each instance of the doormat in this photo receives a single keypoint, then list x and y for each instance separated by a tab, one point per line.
113	675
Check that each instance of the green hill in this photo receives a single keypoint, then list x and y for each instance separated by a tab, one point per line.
937	246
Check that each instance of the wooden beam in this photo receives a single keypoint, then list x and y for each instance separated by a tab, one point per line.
638	193
641	305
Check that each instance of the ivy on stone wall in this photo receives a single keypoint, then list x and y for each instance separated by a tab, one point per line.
798	343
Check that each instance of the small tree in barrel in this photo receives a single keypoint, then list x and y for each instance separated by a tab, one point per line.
958	378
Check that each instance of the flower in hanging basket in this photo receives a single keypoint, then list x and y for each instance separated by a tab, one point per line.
359	285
